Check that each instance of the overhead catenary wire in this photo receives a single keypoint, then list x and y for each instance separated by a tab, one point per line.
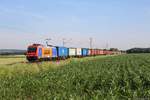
65	41
47	41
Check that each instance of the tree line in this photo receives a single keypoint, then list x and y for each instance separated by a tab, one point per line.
12	52
138	50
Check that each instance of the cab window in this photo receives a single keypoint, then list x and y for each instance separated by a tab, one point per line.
32	49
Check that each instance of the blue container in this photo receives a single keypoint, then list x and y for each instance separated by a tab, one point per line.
39	52
62	52
54	52
85	51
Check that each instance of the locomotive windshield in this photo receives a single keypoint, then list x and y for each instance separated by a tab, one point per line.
31	49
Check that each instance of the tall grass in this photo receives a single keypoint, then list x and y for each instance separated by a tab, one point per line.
114	77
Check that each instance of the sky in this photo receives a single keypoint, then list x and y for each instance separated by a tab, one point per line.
120	24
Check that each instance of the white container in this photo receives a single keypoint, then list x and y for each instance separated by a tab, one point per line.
79	51
89	52
72	52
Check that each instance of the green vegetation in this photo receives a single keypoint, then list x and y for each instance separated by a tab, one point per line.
11	65
112	77
138	50
11	59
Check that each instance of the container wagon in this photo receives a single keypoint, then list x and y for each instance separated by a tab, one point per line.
72	52
78	52
62	52
85	52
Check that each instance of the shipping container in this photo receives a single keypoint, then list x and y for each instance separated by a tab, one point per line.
105	52
47	52
85	51
78	51
96	51
62	52
109	52
90	52
72	51
101	52
54	52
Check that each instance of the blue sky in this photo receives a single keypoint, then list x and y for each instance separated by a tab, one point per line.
116	23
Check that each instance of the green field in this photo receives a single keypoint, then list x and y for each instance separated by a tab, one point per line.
110	77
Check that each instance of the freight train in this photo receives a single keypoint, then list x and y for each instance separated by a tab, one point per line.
38	52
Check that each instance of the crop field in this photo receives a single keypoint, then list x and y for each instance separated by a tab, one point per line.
6	60
109	77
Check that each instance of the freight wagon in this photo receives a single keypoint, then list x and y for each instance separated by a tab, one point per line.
47	53
54	52
62	52
85	52
91	52
78	52
72	52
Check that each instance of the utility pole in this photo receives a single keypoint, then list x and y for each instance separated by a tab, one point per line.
91	41
63	41
106	45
